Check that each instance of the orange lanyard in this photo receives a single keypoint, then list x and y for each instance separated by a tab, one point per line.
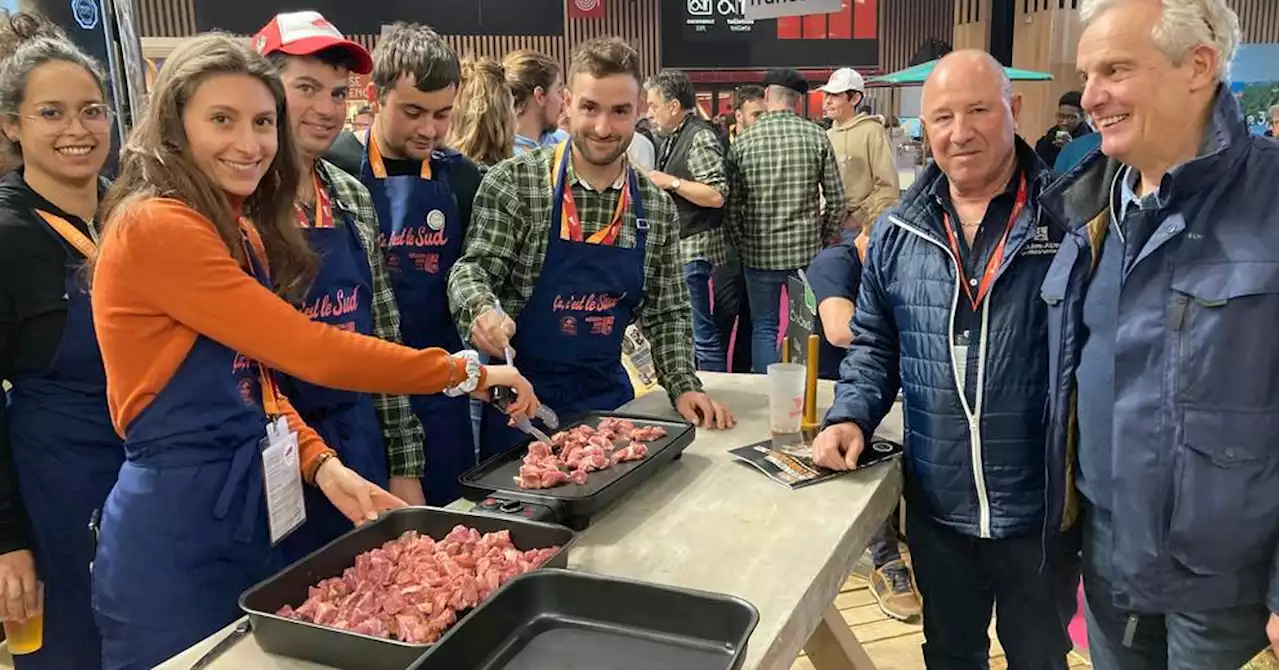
997	256
570	223
324	208
270	402
86	246
375	159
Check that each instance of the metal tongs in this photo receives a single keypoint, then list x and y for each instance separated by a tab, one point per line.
502	397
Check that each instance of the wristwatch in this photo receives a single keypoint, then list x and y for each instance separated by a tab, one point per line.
675	184
472	362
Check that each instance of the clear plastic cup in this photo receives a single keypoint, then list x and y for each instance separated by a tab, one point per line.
786	397
26	637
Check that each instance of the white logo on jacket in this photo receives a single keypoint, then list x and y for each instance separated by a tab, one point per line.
1040	244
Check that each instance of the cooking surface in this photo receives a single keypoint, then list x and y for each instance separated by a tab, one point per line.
710	523
498	474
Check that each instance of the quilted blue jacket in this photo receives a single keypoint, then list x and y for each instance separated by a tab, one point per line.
979	469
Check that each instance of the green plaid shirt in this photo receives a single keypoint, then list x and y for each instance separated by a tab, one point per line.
706	165
401	431
779	170
506	246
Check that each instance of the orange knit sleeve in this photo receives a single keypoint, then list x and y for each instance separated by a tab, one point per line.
310	445
177	263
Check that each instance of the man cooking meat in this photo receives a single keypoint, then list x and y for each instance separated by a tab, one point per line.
574	245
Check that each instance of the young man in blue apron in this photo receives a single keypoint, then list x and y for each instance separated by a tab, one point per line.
377	436
574	245
422	192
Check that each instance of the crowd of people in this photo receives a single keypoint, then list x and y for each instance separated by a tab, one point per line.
276	320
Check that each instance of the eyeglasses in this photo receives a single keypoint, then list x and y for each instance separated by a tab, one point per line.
53	119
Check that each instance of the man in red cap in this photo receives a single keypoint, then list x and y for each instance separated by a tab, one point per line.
378	436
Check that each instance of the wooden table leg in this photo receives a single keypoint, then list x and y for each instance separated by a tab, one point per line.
833	646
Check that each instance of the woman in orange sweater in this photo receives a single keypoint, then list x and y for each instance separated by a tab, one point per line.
199	232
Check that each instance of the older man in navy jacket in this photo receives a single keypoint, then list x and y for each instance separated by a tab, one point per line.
950	310
1163	307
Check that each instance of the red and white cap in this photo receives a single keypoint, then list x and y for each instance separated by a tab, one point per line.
307	33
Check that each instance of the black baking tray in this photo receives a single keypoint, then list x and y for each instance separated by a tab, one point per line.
353	651
580	501
561	620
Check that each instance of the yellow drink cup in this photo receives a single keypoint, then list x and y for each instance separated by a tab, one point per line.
25	637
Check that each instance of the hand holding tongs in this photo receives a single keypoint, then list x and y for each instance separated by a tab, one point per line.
502	397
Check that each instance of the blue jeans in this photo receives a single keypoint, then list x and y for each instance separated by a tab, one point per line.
884	545
764	292
708	350
1209	640
961	577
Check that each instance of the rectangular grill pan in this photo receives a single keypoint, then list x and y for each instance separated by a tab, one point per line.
353	651
580	501
561	620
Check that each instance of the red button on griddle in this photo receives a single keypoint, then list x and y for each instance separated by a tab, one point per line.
489	502
528	511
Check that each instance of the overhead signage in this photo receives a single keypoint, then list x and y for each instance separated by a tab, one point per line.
718	34
772	9
717	19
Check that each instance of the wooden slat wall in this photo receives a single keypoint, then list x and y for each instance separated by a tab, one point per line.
904	26
972	24
634	20
1044	39
1258	20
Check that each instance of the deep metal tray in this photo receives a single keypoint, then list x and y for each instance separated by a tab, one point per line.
579	501
353	651
561	620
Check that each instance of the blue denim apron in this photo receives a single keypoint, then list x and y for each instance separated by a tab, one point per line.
421	231
568	338
184	531
67	455
341	296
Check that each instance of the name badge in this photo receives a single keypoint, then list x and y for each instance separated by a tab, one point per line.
960	359
282	480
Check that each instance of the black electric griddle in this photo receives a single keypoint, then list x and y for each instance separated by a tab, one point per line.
353	651
561	620
493	484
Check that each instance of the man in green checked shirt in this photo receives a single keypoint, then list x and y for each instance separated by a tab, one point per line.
780	169
575	245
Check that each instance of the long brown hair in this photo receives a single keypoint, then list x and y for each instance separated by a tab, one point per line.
484	123
156	161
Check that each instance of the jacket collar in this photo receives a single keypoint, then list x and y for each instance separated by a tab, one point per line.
919	205
1083	193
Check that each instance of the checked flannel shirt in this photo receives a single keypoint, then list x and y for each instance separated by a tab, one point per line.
780	169
402	433
506	246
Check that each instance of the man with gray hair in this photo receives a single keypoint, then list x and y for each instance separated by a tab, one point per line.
1163	305
949	311
779	171
690	167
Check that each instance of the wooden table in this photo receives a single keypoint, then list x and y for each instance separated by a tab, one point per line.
707	522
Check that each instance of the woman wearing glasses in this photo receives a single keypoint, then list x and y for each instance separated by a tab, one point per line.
65	453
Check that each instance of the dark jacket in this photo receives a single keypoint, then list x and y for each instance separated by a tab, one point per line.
673	159
1192	492
982	470
1048	150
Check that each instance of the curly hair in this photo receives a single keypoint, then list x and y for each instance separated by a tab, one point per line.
28	41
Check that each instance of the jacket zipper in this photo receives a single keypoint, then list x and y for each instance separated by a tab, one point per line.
971	414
